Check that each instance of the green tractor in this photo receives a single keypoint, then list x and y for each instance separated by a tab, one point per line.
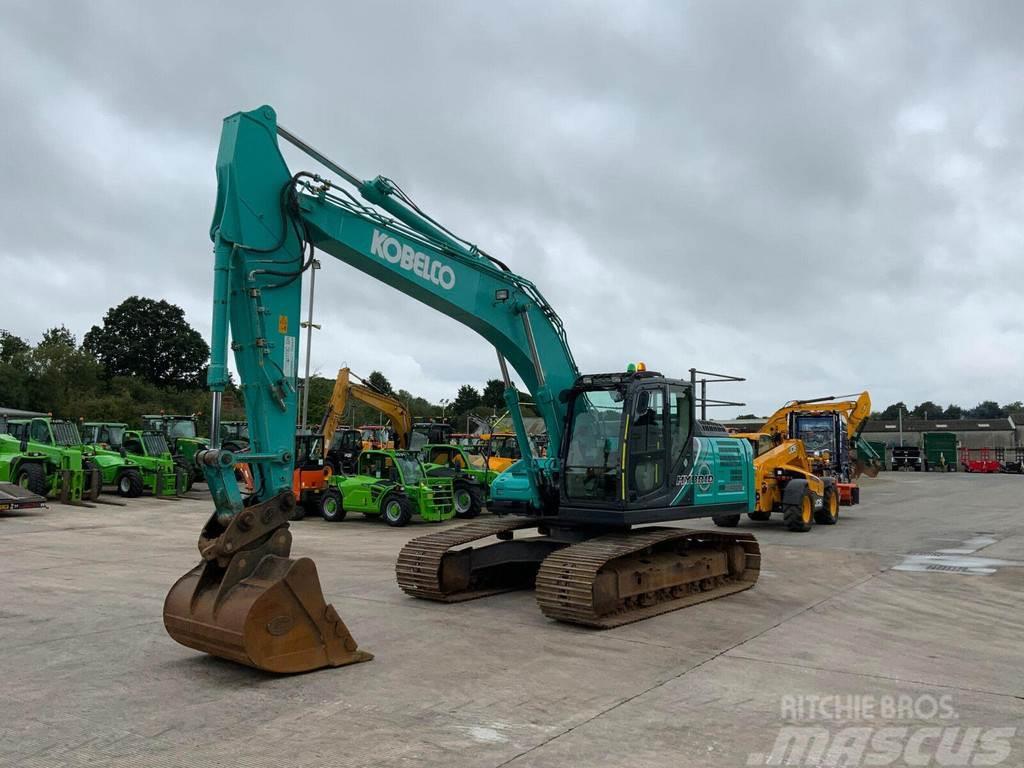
147	450
470	472
45	456
234	436
389	484
183	438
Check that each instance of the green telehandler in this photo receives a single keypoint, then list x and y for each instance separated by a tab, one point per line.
45	456
112	467
149	451
182	435
389	484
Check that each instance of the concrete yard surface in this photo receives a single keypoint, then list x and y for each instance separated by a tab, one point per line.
896	634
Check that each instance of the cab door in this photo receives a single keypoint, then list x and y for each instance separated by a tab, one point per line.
645	438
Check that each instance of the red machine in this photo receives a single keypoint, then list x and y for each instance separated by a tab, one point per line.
983	463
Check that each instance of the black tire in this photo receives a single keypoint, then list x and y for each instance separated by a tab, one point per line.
829	512
396	510
727	521
332	508
129	483
300	511
759	517
32	477
855	495
800	516
468	500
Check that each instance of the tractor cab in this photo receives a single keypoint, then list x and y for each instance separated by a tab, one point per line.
344	450
110	435
143	443
402	467
46	431
376	437
234	435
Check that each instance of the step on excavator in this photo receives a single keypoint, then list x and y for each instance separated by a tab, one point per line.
625	448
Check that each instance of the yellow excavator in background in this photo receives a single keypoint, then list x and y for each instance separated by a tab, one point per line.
392	407
806	462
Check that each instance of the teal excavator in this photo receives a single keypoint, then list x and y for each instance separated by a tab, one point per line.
625	448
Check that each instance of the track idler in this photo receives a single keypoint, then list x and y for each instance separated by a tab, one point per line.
249	602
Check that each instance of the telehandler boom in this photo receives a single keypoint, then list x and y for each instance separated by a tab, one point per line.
624	447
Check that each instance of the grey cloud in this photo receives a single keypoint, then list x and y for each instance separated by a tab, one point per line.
820	197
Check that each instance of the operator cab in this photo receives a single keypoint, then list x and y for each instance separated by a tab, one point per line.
635	453
826	440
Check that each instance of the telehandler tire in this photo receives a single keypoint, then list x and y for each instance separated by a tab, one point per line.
800	516
759	516
332	508
32	476
468	500
829	512
726	521
396	511
129	484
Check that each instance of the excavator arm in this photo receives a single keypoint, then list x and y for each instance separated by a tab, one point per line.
267	223
391	407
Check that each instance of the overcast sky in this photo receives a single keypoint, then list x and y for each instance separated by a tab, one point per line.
821	197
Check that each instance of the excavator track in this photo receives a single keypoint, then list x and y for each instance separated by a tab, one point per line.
420	568
620	578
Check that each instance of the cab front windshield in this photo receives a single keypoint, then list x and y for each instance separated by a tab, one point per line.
593	449
410	467
181	428
115	436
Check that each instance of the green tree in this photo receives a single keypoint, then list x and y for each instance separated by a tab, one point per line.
61	375
927	410
466	400
988	409
893	411
152	340
14	370
1015	407
380	382
746	416
494	394
953	412
12	348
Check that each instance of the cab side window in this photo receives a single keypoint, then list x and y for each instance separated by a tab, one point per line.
647	445
680	425
39	433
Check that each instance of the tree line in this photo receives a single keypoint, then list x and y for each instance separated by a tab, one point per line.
144	357
987	409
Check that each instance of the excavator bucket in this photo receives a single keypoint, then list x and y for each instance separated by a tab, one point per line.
258	607
868	468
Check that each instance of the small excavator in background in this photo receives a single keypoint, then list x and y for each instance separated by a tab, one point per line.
625	448
342	452
807	457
